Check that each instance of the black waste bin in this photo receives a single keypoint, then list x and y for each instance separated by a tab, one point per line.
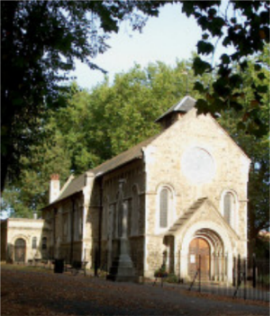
58	265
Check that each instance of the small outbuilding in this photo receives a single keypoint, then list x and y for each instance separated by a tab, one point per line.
24	240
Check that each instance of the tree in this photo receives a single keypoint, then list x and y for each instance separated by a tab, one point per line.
95	126
98	124
40	42
121	115
244	26
30	191
41	39
258	187
256	147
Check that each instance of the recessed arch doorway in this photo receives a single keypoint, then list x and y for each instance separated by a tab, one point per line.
20	250
207	245
199	256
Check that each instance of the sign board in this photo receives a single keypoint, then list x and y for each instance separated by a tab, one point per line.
192	258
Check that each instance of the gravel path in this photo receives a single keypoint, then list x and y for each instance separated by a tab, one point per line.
26	292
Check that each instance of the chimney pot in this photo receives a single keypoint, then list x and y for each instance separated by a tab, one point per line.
54	187
55	176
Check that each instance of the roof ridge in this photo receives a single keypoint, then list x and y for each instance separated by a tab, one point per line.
148	141
77	183
190	211
180	106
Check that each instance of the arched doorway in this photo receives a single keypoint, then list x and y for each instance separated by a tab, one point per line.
199	255
20	250
220	251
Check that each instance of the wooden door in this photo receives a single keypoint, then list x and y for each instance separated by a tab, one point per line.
199	247
20	250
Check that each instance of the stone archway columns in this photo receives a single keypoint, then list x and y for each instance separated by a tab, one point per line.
192	232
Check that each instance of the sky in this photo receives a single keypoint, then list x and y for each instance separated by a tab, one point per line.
170	36
167	38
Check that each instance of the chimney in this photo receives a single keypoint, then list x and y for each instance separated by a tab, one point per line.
54	187
88	178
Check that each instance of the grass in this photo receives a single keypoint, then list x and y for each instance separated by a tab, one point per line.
14	266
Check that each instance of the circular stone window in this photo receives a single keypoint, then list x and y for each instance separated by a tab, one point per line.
198	165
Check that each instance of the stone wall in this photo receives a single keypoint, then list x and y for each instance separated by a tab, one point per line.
66	221
167	163
165	167
134	198
26	229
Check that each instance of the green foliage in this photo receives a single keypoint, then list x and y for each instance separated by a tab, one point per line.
262	247
100	124
96	125
264	280
30	191
11	198
172	278
200	66
42	39
40	42
244	26
161	272
240	124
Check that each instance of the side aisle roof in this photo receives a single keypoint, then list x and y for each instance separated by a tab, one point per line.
77	184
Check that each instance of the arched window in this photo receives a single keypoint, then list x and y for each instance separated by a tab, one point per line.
163	208
34	243
135	212
110	221
105	219
229	208
44	243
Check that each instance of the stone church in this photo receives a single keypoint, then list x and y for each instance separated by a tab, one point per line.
172	201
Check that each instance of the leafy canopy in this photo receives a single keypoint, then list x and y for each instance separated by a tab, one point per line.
40	42
96	125
244	26
256	146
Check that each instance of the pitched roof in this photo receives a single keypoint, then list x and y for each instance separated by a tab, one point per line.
77	184
183	106
183	219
